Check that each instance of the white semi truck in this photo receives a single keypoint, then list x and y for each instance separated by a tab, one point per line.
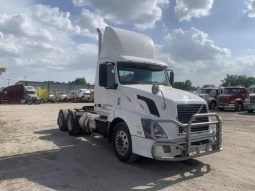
249	103
137	108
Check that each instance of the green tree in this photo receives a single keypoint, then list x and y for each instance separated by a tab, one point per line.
80	81
187	85
209	86
236	80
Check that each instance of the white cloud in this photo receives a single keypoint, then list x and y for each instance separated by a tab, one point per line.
42	41
15	7
54	17
194	56
185	10
89	21
250	8
192	45
143	14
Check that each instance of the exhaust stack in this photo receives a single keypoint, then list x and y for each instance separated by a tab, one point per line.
99	41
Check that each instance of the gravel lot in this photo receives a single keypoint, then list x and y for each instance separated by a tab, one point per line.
35	155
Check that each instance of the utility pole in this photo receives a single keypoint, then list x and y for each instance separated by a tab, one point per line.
8	81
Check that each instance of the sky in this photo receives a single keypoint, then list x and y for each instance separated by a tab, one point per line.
56	40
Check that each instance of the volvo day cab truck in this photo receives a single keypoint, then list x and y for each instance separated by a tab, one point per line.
137	108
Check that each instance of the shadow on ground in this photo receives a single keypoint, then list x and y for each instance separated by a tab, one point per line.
88	163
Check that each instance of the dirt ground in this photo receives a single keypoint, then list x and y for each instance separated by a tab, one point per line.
35	155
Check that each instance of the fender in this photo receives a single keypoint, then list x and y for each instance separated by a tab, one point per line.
238	100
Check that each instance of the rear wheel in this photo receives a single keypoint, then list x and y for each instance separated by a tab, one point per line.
62	119
72	126
122	143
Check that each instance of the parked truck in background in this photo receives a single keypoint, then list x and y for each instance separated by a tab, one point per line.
250	101
80	95
137	108
30	95
233	98
83	95
211	95
19	94
61	97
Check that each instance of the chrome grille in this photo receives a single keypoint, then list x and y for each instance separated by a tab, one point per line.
186	111
252	99
223	100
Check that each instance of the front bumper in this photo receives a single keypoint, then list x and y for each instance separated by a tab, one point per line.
227	106
193	145
249	106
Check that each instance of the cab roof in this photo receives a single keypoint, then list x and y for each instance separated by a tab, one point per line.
118	42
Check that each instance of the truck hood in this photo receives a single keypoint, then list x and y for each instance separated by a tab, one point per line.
170	93
204	96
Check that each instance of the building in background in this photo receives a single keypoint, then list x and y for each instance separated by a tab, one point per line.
55	87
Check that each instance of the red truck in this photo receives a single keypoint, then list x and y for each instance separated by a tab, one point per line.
233	98
19	94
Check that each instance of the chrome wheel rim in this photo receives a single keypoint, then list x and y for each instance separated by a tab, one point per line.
121	142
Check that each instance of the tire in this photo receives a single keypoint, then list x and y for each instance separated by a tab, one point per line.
212	105
239	107
221	109
29	102
62	119
73	127
122	143
250	110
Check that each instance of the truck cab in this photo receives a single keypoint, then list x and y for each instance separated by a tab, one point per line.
250	101
211	96
30	95
137	108
233	98
12	94
83	95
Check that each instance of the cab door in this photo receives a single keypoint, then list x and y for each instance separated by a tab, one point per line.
107	89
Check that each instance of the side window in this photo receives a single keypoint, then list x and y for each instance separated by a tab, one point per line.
107	75
110	76
102	75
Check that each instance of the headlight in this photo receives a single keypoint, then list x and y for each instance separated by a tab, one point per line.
151	127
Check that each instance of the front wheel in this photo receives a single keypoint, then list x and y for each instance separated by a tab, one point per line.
122	143
250	110
212	105
239	107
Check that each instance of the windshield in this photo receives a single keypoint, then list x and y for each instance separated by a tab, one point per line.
138	73
206	91
30	92
232	91
252	90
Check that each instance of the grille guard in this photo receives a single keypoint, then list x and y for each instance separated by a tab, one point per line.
188	139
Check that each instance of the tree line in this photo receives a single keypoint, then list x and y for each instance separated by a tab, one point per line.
229	80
